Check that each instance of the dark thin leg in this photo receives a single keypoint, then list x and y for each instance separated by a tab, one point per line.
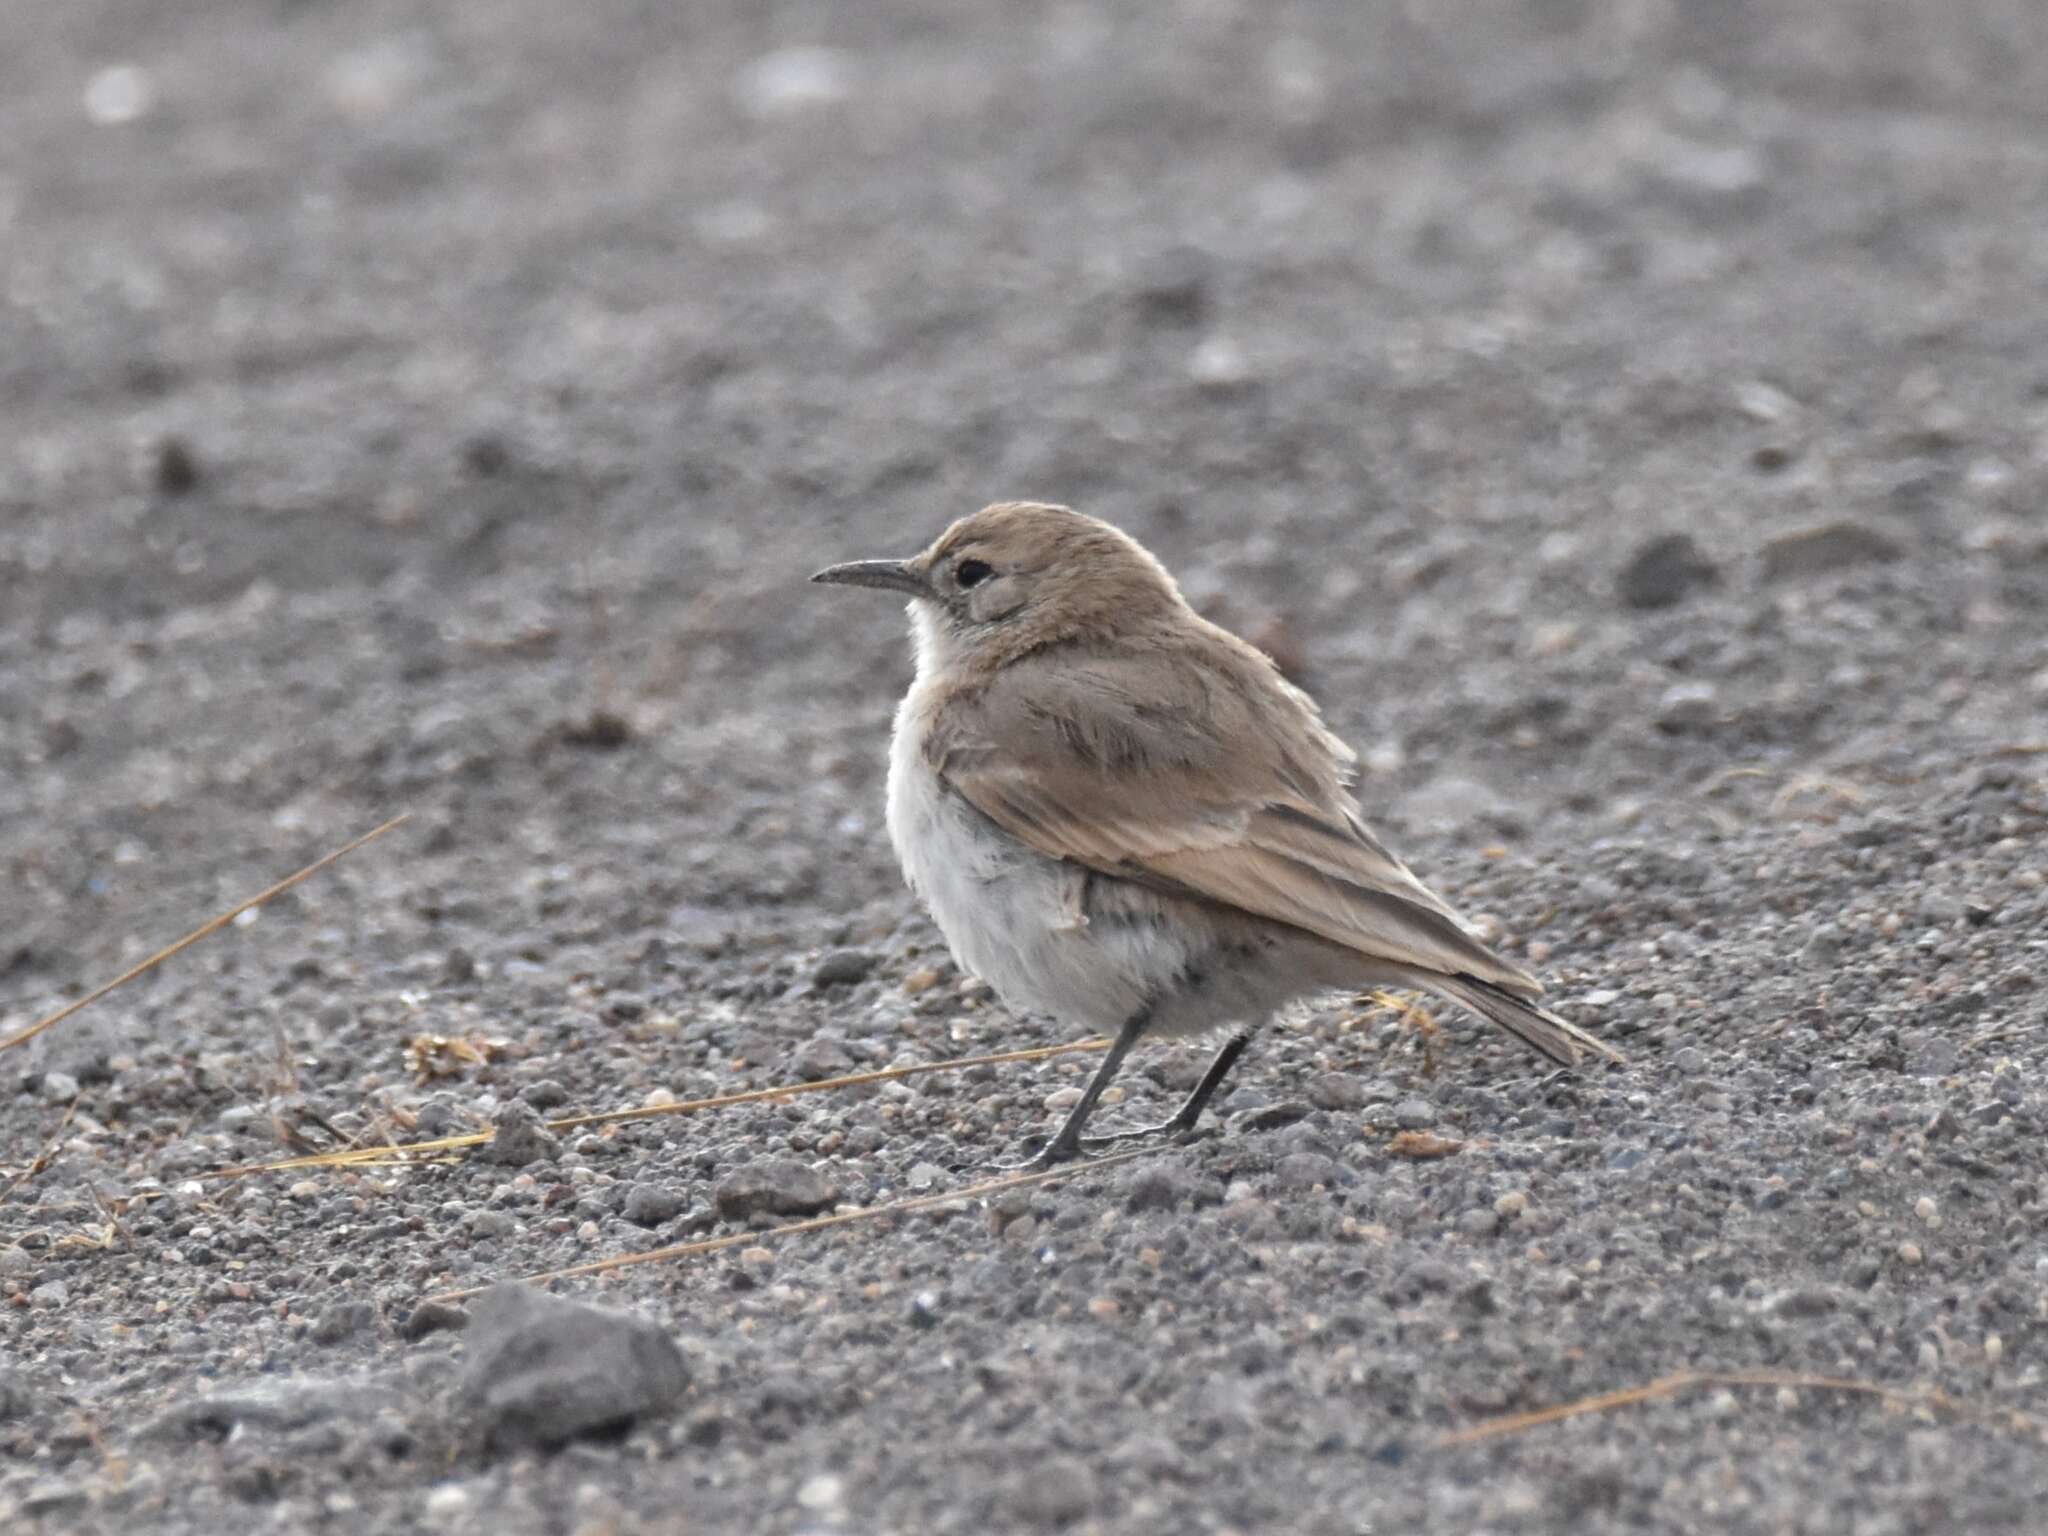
1185	1117
1067	1144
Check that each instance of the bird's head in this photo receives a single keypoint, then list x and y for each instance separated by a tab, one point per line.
1017	576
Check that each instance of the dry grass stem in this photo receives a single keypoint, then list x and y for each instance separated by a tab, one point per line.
205	930
428	1151
1901	1398
46	1157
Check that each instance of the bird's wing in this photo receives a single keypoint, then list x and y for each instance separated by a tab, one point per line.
1206	776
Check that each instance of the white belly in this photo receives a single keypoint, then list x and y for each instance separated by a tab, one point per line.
1011	917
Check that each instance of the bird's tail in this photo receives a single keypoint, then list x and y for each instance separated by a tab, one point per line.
1538	1028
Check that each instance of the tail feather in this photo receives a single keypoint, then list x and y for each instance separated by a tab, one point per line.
1538	1028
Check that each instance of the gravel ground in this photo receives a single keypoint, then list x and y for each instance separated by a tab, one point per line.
1630	418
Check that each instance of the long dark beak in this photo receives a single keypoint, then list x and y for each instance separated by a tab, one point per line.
889	575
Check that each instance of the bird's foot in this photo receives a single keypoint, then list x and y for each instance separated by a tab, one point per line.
1055	1152
1176	1129
1062	1150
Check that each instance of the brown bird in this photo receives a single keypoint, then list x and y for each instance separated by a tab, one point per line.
1123	815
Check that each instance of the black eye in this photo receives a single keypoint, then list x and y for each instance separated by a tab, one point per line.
971	573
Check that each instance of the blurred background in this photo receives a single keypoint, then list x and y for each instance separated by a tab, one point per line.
440	406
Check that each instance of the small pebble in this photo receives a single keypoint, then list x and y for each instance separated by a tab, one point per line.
1172	288
1219	364
1688	706
118	94
1338	1091
446	1502
1479	1222
650	1205
518	1138
1059	1490
822	1492
545	1094
774	1187
1811	552
1664	571
793	80
175	467
1414	1114
844	967
433	1317
1909	1253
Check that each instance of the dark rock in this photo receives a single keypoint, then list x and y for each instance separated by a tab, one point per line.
1818	551
599	731
1338	1091
775	1187
53	1499
1172	288
1158	1187
342	1318
433	1317
818	1058
545	1094
1305	1170
1805	1301
844	967
543	1371
1664	572
1688	706
486	455
1414	1114
650	1205
520	1138
1057	1491
173	465
1269	1117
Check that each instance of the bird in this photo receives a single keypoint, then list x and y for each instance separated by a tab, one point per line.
1121	814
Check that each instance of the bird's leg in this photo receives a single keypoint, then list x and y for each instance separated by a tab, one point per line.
1066	1146
1184	1118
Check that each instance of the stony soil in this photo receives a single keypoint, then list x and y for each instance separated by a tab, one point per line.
1630	418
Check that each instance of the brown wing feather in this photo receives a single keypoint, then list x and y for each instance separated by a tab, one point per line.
1205	774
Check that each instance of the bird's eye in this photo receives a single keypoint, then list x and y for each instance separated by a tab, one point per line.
970	573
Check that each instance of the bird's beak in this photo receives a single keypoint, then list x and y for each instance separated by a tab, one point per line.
889	575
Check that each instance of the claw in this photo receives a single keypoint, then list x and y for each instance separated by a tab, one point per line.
1051	1155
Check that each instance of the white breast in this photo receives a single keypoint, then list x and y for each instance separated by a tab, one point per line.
1007	911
